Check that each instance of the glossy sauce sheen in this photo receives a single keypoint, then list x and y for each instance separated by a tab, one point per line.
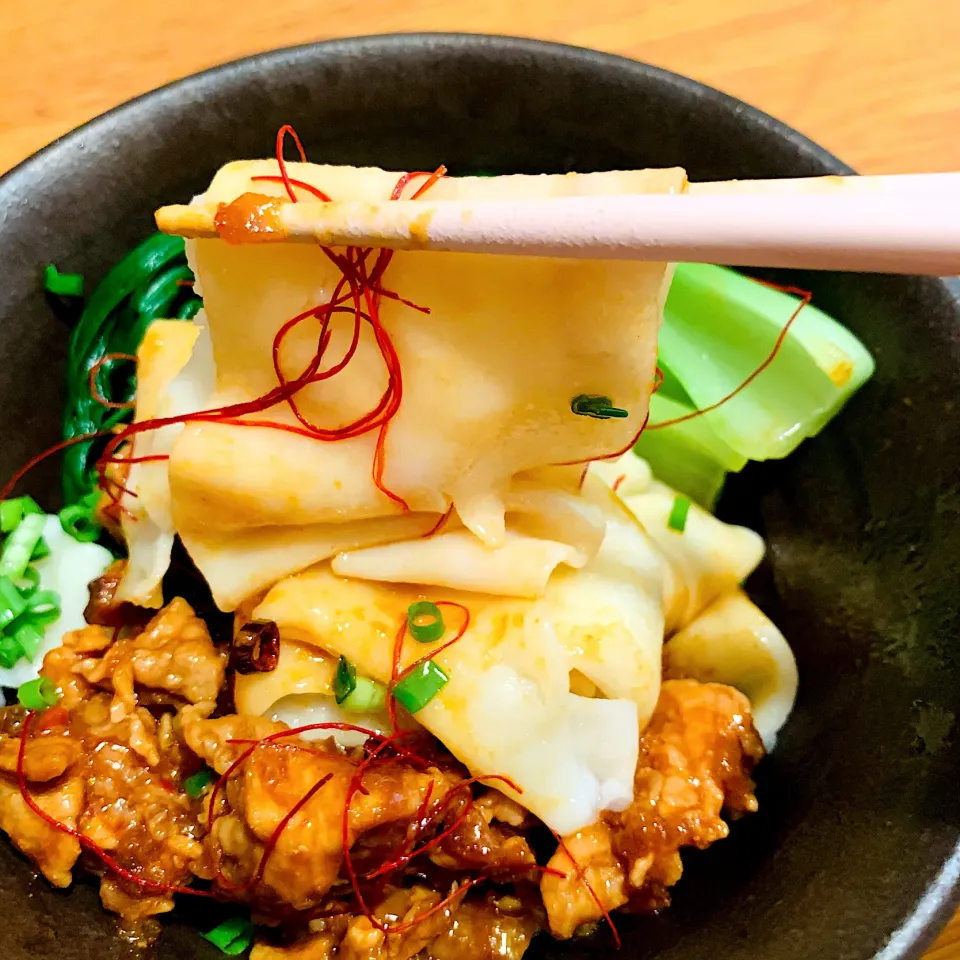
251	218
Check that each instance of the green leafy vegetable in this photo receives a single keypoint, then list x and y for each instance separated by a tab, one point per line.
150	283
718	329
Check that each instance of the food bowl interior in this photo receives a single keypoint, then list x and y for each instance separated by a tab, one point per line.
852	853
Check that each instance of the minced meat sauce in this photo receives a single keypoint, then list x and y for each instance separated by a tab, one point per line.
445	862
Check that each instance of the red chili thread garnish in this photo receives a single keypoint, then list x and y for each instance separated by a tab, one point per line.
284	176
363	290
94	386
414	829
618	481
432	178
439	525
352	789
581	873
303	185
657	379
274	838
442	805
607	456
291	732
246	754
806	297
9	486
396	675
187	283
85	842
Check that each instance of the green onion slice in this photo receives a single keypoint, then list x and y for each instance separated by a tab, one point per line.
420	686
62	284
592	405
40	551
345	679
194	786
367	696
678	514
42	609
10	652
28	583
29	637
233	936
13	511
38	694
12	602
19	546
425	621
78	521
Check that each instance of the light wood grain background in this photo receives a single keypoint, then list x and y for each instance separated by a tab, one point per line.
875	81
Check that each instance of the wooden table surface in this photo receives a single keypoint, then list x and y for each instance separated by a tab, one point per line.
875	81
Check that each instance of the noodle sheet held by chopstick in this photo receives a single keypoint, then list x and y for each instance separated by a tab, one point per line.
488	376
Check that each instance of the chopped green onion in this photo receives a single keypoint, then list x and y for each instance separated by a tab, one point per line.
345	679
62	284
13	511
367	696
78	521
12	602
425	621
194	786
678	514
38	694
10	652
233	936
19	546
28	582
420	686
29	637
42	609
591	405
40	551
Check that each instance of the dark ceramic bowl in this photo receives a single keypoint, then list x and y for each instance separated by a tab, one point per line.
854	852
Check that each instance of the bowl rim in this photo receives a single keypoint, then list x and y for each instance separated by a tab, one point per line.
924	919
388	42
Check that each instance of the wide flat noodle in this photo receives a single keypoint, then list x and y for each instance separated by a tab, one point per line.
508	707
174	376
708	558
733	642
488	376
520	567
